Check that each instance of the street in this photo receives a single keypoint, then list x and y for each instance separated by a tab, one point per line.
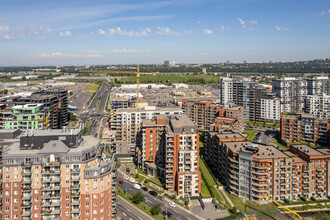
177	213
95	117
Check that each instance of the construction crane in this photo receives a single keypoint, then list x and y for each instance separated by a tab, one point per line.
281	206
137	73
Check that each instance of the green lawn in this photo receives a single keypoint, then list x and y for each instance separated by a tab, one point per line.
143	207
156	181
154	189
268	125
93	87
169	79
139	179
249	206
205	193
250	134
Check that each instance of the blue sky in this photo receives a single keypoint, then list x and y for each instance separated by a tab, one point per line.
43	32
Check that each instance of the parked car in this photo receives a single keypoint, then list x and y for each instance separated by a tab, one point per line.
137	186
153	193
131	180
168	214
145	188
121	182
125	177
160	197
173	204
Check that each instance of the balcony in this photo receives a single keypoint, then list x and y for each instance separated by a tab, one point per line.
26	180
75	211
26	213
75	186
75	177
75	202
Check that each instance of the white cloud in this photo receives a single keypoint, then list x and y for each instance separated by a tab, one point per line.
242	22
167	31
130	51
189	32
59	54
119	31
325	12
278	28
65	34
253	22
207	31
8	32
223	28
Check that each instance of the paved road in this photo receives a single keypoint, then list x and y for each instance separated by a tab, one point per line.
127	211
96	117
177	213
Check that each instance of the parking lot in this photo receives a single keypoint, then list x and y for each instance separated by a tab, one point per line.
80	97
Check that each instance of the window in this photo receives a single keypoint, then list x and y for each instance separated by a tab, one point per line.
95	196
67	205
15	200
67	197
67	190
95	203
67	213
15	208
36	207
15	184
7	185
87	204
87	196
36	199
36	191
95	211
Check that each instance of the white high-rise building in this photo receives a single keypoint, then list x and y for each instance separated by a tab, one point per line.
270	110
318	85
317	105
226	90
291	92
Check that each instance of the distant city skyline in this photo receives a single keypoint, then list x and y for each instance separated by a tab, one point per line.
196	31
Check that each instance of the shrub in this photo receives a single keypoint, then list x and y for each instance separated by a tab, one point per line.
137	175
313	199
234	210
128	170
155	210
138	198
286	200
146	181
303	199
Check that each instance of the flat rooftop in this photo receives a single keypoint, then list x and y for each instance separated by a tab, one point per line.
27	106
307	149
51	132
88	142
149	109
265	152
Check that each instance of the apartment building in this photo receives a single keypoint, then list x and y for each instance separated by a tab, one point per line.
318	85
210	116
127	122
243	92
57	174
305	128
54	100
170	149
270	110
291	92
252	170
7	137
318	105
25	117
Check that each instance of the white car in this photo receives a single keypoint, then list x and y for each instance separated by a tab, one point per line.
131	180
173	204
137	186
125	177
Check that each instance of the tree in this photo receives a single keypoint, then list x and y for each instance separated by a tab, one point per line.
137	175
128	170
155	210
138	198
146	181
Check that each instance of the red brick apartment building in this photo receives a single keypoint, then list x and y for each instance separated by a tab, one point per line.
305	128
170	149
210	116
251	170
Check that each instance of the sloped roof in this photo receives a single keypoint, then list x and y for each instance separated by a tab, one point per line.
53	147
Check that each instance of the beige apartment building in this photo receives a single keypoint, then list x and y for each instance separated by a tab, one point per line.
57	174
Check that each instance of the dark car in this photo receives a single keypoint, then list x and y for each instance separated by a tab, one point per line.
153	193
168	214
121	182
144	188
